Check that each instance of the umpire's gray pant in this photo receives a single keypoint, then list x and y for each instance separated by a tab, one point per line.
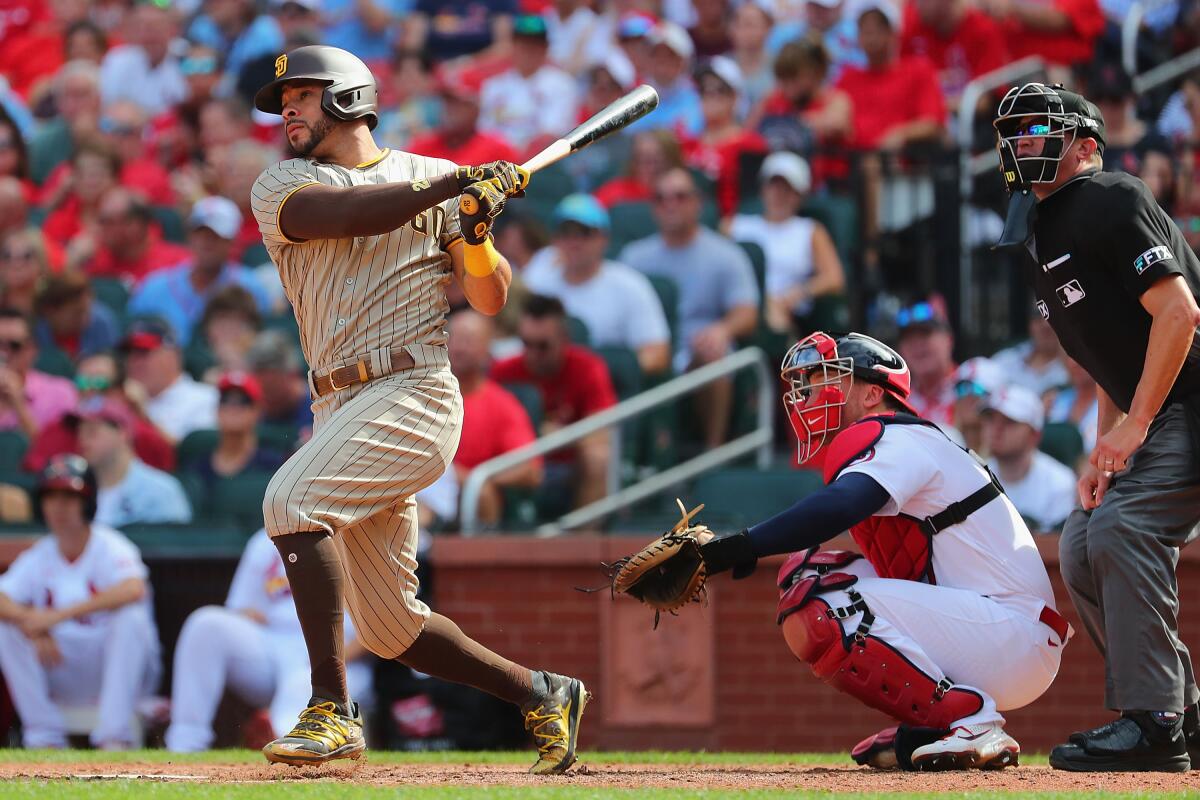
1118	562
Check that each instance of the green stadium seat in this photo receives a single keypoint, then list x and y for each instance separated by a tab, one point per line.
169	222
629	222
546	189
530	398
668	295
737	498
758	261
1063	441
54	361
112	292
577	329
285	322
623	368
255	255
239	499
196	445
13	446
279	436
203	540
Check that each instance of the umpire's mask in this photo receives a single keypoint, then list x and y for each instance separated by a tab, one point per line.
1049	114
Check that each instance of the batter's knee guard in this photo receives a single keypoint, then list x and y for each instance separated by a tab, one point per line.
859	664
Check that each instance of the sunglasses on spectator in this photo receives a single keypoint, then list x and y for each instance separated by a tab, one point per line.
573	230
18	255
916	315
969	389
673	197
98	383
205	65
112	126
13	345
236	399
715	88
538	344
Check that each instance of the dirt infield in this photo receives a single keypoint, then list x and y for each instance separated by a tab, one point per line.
699	776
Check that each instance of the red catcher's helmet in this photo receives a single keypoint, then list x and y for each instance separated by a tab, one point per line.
70	473
813	370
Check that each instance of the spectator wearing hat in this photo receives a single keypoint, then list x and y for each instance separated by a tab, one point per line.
607	81
710	30
718	150
411	106
238	448
144	69
578	38
670	72
494	421
748	34
29	400
617	304
897	99
802	262
70	319
631	31
926	342
718	295
459	138
1062	32
1042	489
574	383
534	102
99	375
128	244
24	268
448	29
1038	363
1129	142
830	23
275	363
1076	403
975	381
131	491
174	402
179	295
76	619
960	40
236	29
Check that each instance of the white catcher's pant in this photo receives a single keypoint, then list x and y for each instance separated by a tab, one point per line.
220	648
112	666
973	640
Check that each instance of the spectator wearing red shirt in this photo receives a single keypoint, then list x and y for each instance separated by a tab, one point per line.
718	150
1063	32
961	40
94	170
494	421
652	155
459	139
99	375
897	100
76	94
574	383
36	52
710	34
127	244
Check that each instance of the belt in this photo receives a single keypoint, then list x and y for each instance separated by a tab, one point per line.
1055	622
358	372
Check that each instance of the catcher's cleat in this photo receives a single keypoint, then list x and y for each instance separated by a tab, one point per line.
984	746
553	719
326	731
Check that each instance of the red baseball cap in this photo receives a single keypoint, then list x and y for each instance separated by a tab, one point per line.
105	409
243	382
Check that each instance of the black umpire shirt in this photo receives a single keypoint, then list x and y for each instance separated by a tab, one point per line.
1098	243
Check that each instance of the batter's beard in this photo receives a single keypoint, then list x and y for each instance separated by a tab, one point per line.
316	135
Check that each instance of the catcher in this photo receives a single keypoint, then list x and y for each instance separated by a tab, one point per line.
946	619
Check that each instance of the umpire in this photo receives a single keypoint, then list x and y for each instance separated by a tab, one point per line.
1118	283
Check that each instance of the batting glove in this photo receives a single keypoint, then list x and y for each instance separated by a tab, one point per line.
506	176
478	207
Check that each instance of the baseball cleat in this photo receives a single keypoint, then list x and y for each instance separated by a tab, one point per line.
984	746
326	731
553	719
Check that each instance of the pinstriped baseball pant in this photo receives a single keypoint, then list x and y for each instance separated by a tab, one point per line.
374	446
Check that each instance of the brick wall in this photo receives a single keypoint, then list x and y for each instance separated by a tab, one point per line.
518	596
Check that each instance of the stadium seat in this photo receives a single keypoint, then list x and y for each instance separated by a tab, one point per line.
758	260
578	331
54	361
255	255
1063	441
285	322
530	398
196	445
170	223
737	498
197	539
112	293
281	436
629	222
239	500
623	368
13	445
668	296
546	189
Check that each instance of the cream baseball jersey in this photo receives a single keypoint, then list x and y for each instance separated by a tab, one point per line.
364	295
992	552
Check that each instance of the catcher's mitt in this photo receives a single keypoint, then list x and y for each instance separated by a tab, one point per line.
668	573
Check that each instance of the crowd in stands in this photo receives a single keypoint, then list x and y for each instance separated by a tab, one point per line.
142	325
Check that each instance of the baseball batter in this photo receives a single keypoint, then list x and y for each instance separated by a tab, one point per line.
366	240
76	628
254	646
947	618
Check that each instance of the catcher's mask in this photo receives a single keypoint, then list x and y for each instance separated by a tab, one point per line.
1049	114
813	370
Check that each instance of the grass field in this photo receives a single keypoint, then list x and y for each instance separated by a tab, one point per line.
238	774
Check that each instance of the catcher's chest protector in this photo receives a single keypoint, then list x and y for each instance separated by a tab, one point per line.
897	546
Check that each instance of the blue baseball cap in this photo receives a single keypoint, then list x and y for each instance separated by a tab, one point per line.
582	209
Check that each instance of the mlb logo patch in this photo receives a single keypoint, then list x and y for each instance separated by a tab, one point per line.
1070	293
1043	309
1152	256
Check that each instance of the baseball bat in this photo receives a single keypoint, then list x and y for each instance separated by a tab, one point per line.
613	117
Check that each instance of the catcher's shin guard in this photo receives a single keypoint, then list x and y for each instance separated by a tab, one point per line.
862	665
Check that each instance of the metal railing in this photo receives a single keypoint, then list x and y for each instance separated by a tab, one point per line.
758	440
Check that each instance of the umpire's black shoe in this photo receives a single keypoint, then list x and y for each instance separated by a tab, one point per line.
1135	742
1191	733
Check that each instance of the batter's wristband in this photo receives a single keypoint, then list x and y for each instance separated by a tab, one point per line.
481	260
